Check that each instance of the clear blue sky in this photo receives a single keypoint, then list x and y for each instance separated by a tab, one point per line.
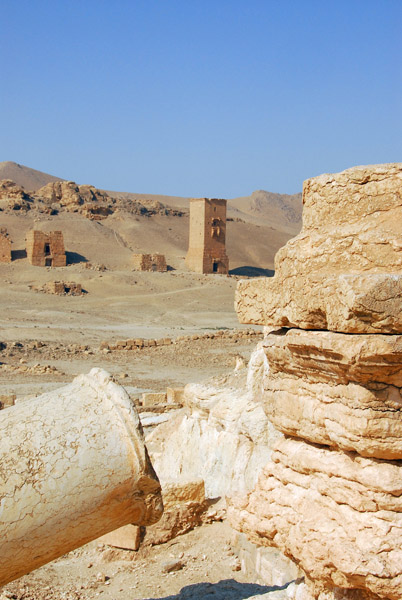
200	97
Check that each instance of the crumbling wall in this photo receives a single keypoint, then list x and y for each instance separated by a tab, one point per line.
207	241
45	249
60	288
150	262
5	246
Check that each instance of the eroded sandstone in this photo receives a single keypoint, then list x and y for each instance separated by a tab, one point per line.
337	514
343	271
336	389
330	497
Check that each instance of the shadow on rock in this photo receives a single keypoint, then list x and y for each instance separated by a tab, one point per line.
227	589
252	272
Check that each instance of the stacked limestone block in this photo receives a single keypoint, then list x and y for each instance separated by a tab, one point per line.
331	496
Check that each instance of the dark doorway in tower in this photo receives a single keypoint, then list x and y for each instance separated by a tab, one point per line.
215	267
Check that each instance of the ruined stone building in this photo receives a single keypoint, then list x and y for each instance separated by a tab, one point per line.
45	249
206	248
5	246
150	262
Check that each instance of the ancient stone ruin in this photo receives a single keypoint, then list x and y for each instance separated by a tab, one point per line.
330	498
45	249
149	262
5	246
75	476
206	248
60	288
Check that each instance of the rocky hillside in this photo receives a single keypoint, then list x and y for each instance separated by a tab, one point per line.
257	226
70	197
281	212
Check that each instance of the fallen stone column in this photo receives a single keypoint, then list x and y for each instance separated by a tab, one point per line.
73	466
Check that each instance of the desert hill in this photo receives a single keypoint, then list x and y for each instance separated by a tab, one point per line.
258	225
30	179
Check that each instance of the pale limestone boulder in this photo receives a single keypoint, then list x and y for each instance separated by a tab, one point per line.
329	357
336	514
336	389
221	435
343	271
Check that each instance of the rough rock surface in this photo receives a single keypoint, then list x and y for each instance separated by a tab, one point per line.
15	196
223	436
184	504
336	389
343	271
339	515
330	497
220	435
78	198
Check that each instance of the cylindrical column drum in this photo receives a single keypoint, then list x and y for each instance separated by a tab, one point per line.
73	466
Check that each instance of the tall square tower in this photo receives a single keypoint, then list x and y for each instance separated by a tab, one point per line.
206	248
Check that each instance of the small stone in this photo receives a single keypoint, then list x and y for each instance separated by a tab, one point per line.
169	566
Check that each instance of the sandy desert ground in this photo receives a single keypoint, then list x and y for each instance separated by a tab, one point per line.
46	340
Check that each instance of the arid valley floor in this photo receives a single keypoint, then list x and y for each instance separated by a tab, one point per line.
47	340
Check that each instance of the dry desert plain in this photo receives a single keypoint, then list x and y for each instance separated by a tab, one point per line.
48	339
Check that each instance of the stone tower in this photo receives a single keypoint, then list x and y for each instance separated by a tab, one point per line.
45	249
206	248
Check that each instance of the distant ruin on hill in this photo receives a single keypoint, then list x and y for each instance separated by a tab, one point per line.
206	250
45	249
150	262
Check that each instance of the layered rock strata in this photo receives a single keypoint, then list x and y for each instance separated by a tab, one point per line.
331	496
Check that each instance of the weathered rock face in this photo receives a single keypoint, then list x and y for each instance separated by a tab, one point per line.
220	435
343	271
224	437
184	505
336	389
16	197
69	193
339	514
85	199
330	498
